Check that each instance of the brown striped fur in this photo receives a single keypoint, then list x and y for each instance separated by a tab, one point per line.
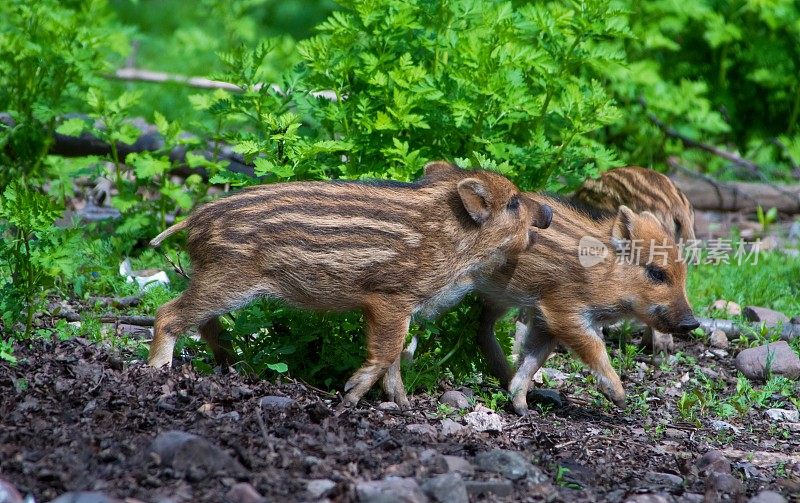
389	249
565	302
641	189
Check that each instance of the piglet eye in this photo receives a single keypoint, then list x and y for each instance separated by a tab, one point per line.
656	273
513	204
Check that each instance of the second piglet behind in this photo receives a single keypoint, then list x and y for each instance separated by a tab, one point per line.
390	249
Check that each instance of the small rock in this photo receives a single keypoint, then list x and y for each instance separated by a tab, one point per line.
718	339
421	429
455	399
499	488
724	483
483	419
85	497
728	307
316	488
767	497
274	402
546	397
447	488
718	353
647	498
9	493
552	375
509	464
719	425
390	489
663	479
388	406
795	320
450	427
762	314
714	462
459	465
752	362
675	434
691	498
188	453
244	493
791	416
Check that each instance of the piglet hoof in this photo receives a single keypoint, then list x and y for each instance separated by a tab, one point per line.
521	410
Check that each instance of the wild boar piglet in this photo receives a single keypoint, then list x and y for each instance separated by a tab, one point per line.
587	269
390	249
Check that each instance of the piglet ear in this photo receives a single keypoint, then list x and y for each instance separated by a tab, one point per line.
439	167
476	199
622	231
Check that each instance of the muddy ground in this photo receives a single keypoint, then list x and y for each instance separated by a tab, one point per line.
75	416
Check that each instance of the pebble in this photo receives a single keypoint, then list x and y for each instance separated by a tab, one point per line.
647	498
388	406
713	462
316	488
510	464
450	427
718	339
85	497
663	479
789	415
9	493
767	497
274	402
675	434
730	308
752	362
719	425
483	419
460	465
762	314
500	488
724	483
421	429
244	493
446	488
455	399
390	489
548	397
193	455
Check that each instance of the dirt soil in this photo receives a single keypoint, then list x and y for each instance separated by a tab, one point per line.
77	416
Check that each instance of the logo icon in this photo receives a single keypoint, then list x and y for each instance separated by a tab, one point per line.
591	251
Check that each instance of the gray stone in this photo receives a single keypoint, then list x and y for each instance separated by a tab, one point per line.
450	427
244	493
767	497
724	483
455	399
499	488
421	429
719	425
509	464
718	339
274	402
388	406
648	498
789	415
691	498
663	479
675	434
483	419
446	488
795	320
188	453
752	362
9	493
547	397
85	497
713	462
390	490
316	488
460	465
762	314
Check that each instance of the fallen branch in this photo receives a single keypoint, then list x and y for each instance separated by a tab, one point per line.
136	75
706	193
139	321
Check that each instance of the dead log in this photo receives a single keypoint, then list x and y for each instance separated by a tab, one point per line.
735	330
707	194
